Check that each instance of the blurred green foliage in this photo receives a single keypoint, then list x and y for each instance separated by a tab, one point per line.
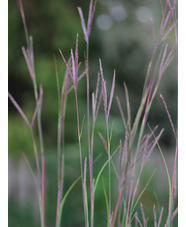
20	215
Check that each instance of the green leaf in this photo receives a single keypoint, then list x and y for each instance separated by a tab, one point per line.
64	199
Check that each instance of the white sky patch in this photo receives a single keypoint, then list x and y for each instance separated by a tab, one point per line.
143	14
118	12
104	22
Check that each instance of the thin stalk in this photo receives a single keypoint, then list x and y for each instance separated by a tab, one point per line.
136	154
68	192
129	198
36	157
60	192
91	178
168	176
58	171
42	150
135	127
108	146
175	159
88	130
43	184
88	101
118	203
61	144
58	128
140	138
85	189
81	165
173	177
90	149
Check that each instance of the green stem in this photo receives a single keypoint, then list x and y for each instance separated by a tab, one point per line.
81	166
42	154
108	141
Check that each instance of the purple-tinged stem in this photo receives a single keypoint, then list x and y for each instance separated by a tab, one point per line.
79	78
95	108
174	213
143	215
86	31
19	109
165	10
121	112
36	158
88	92
42	157
128	207
60	189
81	165
88	129
30	63
169	116
155	219
61	128
137	219
108	141
160	218
176	153
174	175
43	185
26	54
118	204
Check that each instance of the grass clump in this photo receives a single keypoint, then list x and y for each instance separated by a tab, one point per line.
131	158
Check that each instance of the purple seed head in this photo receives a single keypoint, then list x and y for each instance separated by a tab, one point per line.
111	95
83	24
92	9
104	90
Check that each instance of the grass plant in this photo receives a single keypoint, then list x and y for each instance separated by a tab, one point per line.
121	212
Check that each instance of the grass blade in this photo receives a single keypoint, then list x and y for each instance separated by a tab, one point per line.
101	170
133	208
64	199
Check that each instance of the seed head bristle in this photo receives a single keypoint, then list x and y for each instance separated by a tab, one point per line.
83	23
111	94
103	89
